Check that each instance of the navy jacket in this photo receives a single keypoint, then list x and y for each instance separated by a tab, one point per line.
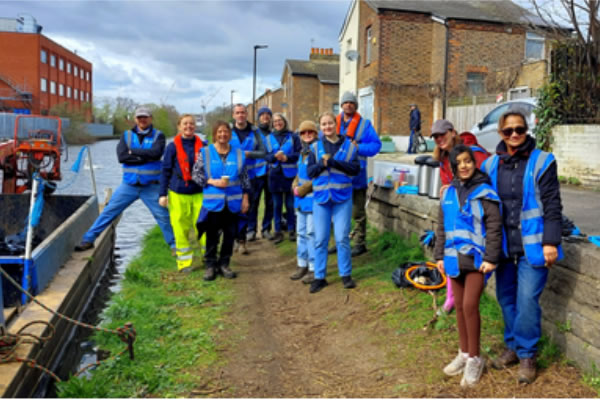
415	120
277	180
171	176
511	170
140	156
315	168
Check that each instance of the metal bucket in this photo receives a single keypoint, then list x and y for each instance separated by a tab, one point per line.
424	174
435	181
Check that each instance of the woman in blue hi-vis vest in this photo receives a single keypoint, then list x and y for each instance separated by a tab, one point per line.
221	171
526	181
332	163
468	245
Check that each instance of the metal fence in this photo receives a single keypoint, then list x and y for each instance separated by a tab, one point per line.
27	125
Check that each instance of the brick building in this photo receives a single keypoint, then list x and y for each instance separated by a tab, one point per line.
37	73
426	52
310	87
272	99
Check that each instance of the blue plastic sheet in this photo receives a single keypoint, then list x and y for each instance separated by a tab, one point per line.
407	189
595	240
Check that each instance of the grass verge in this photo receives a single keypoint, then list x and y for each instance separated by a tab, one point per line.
176	318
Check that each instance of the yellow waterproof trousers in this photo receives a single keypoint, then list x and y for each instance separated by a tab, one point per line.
184	210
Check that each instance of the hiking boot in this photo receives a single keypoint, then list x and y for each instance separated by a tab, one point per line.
506	359
358	250
332	250
267	235
83	246
317	285
473	370
243	249
527	370
251	236
292	236
278	238
308	278
227	273
457	366
210	274
185	271
348	282
300	272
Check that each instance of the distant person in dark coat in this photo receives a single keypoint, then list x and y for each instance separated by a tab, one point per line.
415	126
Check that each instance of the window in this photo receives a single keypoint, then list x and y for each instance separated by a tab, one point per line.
475	83
75	94
52	60
43	84
534	46
68	68
52	87
346	59
81	75
68	92
81	95
61	89
87	75
368	46
61	64
75	70
44	56
87	96
335	108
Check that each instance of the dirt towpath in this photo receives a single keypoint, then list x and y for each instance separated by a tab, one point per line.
337	343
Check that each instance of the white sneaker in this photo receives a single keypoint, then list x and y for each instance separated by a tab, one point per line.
457	365
473	371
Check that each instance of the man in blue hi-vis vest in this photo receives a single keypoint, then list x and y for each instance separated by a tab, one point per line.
139	151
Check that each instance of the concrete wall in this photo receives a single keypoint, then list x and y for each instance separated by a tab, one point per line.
570	301
577	152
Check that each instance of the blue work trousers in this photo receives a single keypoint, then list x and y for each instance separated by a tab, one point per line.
259	184
518	290
305	240
122	198
323	215
411	142
290	218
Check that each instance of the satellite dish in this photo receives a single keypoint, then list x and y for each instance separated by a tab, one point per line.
352	55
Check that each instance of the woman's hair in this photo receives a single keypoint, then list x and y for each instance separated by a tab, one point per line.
183	116
216	127
455	152
519	112
439	154
327	114
280	115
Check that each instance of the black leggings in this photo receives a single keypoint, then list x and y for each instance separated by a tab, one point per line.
223	221
467	289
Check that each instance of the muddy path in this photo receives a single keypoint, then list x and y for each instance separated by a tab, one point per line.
289	343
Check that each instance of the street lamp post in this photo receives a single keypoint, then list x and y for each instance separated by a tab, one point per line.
232	92
256	47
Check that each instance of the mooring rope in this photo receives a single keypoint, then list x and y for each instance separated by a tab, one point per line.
9	342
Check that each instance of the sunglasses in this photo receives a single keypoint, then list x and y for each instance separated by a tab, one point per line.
520	130
303	132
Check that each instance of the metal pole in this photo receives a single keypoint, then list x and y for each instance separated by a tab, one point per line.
253	83
232	91
29	237
93	176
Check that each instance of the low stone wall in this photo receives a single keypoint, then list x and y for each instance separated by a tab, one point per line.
577	152
571	300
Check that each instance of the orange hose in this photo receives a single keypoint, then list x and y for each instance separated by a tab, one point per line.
429	265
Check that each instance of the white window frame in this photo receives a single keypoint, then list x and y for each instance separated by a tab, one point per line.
534	37
43	56
52	60
68	67
87	76
75	94
61	64
87	96
68	92
61	90
43	85
75	70
81	95
52	87
369	44
346	60
82	73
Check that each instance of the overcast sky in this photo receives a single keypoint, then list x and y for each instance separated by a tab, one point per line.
183	52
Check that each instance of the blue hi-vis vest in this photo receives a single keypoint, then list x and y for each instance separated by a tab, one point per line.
289	169
532	211
360	179
146	173
477	149
214	197
332	183
464	227
304	204
255	166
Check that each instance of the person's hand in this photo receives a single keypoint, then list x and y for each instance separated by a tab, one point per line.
245	204
355	143
550	254
220	183
440	267
163	201
279	155
442	189
296	191
246	153
487	267
325	158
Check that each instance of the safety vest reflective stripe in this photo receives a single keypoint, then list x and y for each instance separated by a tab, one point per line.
332	183
361	130
142	171
303	181
184	250
186	257
214	197
333	186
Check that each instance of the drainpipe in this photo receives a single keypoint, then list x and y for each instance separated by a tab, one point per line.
443	21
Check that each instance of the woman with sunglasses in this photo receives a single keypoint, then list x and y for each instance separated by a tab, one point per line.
446	138
527	183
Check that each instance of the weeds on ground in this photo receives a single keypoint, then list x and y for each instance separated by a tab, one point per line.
175	318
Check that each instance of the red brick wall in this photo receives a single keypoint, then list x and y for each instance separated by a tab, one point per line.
305	100
24	65
328	96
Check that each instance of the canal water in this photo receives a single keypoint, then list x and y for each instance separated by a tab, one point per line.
134	223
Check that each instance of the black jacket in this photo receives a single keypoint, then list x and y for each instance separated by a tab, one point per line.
315	168
511	170
141	156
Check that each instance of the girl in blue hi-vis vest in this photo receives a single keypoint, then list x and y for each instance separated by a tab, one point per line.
526	181
332	163
468	245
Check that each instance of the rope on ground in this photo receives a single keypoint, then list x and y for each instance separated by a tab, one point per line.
10	342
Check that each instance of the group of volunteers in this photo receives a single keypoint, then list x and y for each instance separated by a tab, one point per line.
497	213
319	173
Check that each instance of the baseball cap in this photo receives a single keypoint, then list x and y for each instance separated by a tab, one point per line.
143	112
441	126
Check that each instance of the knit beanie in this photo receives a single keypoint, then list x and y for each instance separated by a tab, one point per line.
263	110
